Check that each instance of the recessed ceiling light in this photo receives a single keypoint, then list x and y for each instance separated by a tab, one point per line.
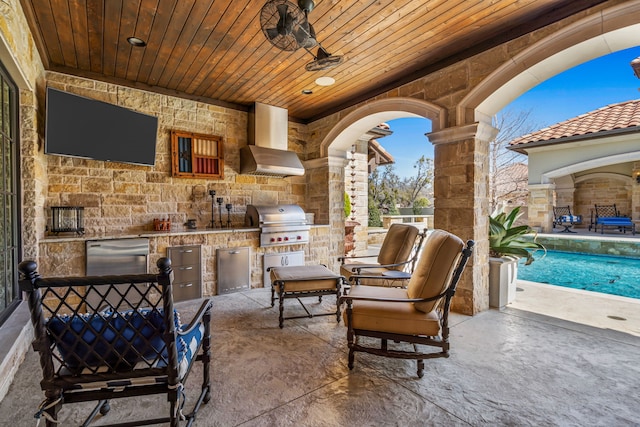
325	81
307	91
136	42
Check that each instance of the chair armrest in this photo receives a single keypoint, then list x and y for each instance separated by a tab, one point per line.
204	309
348	298
342	259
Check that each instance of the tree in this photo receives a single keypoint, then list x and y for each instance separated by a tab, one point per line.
414	186
419	203
387	191
384	185
508	178
375	219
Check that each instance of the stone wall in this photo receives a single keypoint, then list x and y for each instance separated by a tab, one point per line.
26	69
123	198
601	191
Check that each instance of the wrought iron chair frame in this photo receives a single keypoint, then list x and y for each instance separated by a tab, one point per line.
560	213
65	382
609	216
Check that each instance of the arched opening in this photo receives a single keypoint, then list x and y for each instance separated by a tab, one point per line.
342	145
610	31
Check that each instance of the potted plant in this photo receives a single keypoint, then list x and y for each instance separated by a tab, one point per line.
507	244
349	226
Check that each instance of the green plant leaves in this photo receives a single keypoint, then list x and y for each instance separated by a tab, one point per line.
505	239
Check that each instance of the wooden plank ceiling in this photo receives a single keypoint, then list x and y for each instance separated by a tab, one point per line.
215	50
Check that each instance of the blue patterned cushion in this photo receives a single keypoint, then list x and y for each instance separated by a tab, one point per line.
119	340
187	346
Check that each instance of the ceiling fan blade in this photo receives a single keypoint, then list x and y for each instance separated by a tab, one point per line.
322	53
286	21
272	33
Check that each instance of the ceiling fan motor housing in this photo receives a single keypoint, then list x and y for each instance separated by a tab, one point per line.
306	5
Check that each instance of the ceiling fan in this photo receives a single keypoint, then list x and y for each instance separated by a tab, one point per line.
287	27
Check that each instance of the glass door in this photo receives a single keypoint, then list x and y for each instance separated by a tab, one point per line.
9	294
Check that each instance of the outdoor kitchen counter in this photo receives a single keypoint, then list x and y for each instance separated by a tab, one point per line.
151	234
66	255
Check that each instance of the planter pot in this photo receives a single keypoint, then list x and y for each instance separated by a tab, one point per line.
503	274
349	233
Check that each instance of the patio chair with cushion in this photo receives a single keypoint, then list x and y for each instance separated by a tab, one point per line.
562	216
415	315
395	261
609	216
127	342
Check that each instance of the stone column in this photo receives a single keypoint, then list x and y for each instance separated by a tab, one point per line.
34	178
328	206
461	187
541	207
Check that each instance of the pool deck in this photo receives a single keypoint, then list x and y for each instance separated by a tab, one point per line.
592	309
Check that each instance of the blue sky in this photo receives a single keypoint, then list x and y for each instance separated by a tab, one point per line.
587	87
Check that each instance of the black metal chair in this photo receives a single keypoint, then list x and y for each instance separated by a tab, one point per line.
609	216
562	216
108	337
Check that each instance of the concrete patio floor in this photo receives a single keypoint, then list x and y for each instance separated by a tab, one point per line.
510	367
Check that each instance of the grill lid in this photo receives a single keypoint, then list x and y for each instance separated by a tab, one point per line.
259	216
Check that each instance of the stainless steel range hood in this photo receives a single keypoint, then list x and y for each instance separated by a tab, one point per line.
267	152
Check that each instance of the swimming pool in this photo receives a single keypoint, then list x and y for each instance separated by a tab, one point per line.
597	273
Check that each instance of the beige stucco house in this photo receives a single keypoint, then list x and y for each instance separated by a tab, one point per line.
587	160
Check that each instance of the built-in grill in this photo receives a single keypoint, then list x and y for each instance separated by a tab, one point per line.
279	224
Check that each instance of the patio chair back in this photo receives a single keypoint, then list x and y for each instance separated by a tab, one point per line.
603	211
127	341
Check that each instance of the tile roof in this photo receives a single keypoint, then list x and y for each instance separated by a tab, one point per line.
615	116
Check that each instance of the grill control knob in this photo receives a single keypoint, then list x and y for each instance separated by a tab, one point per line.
286	239
273	239
299	237
279	239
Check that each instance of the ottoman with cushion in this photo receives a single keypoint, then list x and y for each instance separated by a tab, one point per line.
304	281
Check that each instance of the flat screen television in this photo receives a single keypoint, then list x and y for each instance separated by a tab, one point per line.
81	127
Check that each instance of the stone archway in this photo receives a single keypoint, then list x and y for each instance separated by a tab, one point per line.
461	139
359	121
330	166
611	30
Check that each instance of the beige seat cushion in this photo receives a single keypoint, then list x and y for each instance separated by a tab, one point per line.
435	268
391	317
304	278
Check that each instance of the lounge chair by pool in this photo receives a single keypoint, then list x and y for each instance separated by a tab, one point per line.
608	216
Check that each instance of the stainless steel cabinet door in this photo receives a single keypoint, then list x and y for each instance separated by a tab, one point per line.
284	259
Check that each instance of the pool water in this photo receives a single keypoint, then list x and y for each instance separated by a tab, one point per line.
597	273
